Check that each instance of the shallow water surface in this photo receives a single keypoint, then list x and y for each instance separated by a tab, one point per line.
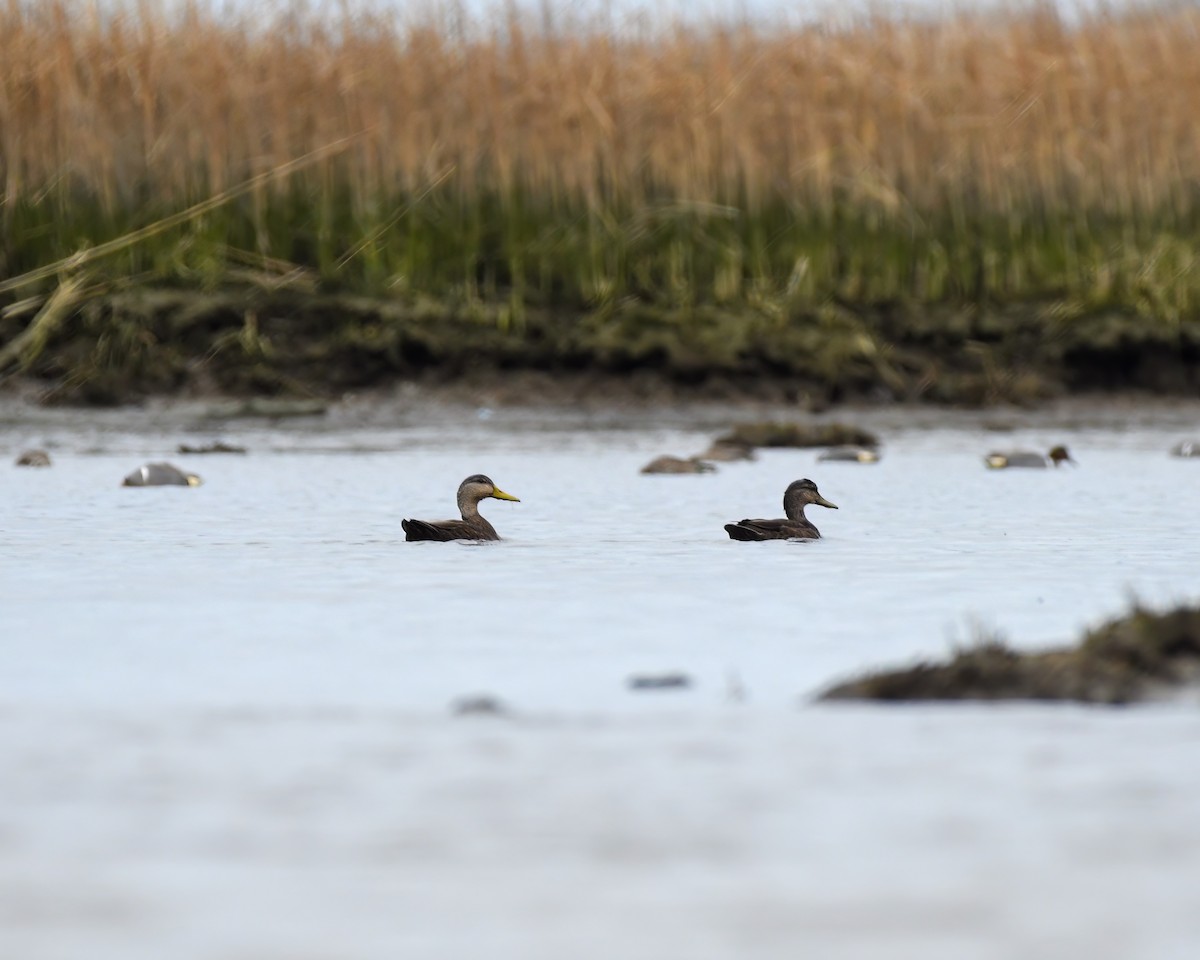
225	710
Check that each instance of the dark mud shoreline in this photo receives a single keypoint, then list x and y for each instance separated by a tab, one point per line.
174	343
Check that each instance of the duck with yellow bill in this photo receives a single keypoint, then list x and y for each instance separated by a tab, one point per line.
472	526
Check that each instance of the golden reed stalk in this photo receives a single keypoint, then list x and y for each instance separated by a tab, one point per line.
984	112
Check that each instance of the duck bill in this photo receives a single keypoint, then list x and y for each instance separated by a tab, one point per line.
821	501
501	495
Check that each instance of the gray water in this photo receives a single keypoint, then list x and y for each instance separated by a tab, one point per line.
225	715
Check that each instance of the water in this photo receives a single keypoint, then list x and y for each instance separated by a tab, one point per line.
225	722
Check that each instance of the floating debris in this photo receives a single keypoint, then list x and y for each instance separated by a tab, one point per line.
1140	657
660	681
772	434
160	475
33	458
669	464
219	446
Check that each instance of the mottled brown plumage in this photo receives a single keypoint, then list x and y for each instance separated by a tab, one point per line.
472	526
795	527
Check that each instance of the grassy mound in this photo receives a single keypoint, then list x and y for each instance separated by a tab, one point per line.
1142	656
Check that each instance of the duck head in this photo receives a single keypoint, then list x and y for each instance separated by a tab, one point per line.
478	487
798	495
1059	455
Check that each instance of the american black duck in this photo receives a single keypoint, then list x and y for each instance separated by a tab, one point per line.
1028	458
472	526
160	475
798	495
849	454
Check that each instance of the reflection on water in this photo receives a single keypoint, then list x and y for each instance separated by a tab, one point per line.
233	701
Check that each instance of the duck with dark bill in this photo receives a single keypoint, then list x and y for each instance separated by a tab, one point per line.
796	526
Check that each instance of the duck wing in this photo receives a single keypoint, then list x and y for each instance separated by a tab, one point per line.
435	530
771	530
445	530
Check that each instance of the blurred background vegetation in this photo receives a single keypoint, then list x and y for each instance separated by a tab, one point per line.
808	178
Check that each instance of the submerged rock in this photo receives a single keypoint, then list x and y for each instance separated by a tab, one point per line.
669	464
160	475
1143	656
772	434
33	458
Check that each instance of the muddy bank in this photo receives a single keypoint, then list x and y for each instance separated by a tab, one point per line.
122	347
1143	656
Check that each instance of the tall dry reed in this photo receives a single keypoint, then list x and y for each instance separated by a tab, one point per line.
990	153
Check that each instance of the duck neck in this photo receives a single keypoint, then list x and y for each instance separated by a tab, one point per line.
794	509
468	506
